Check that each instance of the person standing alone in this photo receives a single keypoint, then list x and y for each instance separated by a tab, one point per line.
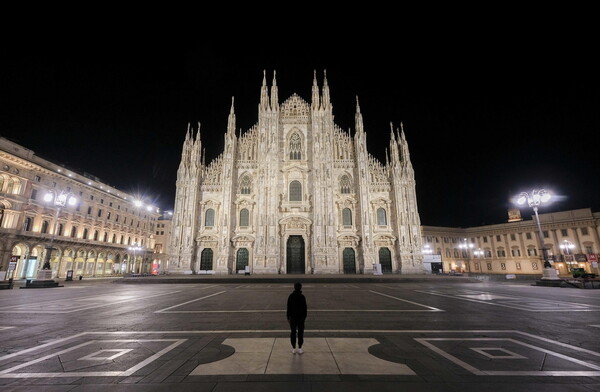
296	314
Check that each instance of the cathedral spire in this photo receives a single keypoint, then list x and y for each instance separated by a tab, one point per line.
392	137
231	119
326	97
196	151
358	121
187	135
274	93
264	93
315	93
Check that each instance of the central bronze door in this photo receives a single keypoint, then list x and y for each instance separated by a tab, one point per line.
295	255
349	261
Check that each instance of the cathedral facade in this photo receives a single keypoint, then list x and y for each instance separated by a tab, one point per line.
295	194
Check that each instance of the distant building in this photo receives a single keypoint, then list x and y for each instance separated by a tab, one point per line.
295	194
514	248
91	237
162	237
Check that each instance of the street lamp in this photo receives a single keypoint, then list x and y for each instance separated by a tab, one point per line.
149	208
59	200
479	253
466	246
427	249
567	247
537	198
135	248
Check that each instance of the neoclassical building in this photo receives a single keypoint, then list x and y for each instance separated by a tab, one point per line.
514	247
295	194
92	237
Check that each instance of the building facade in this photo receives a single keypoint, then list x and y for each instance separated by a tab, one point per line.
162	239
572	239
92	237
295	194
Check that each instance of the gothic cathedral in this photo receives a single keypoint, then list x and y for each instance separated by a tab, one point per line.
295	194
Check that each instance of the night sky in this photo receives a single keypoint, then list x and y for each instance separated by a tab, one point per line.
483	122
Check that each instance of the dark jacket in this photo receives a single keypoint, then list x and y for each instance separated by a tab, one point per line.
296	306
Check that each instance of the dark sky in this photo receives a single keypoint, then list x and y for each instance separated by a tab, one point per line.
484	119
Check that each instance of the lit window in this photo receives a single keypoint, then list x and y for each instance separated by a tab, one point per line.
381	217
209	218
345	186
347	217
295	147
245	185
295	191
244	217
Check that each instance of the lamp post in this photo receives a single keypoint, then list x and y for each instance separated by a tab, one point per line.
537	198
480	254
567	247
134	249
59	200
149	208
466	246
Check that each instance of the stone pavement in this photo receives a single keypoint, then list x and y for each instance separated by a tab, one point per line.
426	334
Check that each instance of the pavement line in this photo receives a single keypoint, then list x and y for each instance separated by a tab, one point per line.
188	302
6	373
410	302
452	358
525	308
286	331
78	309
311	311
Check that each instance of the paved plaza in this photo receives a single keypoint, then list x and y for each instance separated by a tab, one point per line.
403	334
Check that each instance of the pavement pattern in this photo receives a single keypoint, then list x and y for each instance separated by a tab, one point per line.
425	334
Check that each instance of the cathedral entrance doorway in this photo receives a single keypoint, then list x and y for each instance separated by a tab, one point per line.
349	261
385	259
241	259
206	260
295	255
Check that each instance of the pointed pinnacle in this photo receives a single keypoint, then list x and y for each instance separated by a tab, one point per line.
357	105
232	99
274	78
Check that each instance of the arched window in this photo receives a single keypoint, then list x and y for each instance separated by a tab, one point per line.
96	235
295	191
347	217
206	259
16	186
105	239
85	234
44	227
295	147
246	185
114	238
244	217
27	224
73	231
345	186
381	217
1	209
61	228
209	218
